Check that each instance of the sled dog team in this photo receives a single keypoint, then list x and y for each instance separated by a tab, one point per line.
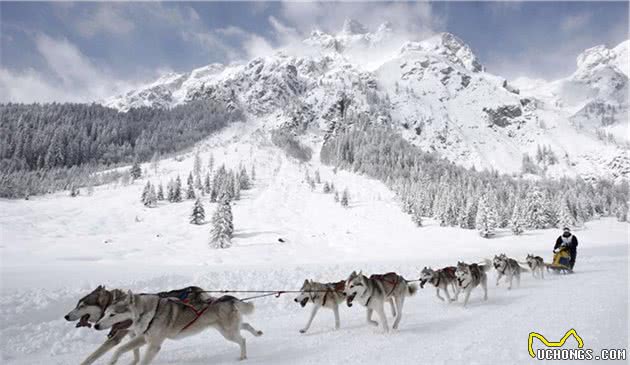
149	319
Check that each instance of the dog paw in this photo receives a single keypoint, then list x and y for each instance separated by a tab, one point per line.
259	333
302	331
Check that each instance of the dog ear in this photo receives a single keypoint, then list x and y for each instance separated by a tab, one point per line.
305	282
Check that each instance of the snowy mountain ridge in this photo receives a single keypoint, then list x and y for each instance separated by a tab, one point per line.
435	91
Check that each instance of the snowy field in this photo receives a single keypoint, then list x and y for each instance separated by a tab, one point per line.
55	249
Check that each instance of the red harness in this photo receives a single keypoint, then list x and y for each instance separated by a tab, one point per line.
198	312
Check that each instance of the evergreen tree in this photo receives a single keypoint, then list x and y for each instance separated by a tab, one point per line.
170	191
243	179
318	179
326	188
197	164
190	189
517	222
486	217
160	192
565	217
198	184
152	198
207	186
177	190
198	213
222	226
190	192
253	172
237	187
145	193
345	198
621	212
536	217
135	171
416	217
336	196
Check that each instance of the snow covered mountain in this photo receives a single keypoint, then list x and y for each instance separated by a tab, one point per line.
436	92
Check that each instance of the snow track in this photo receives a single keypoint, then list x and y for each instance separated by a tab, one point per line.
55	249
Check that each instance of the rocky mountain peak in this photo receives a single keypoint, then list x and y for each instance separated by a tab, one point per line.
353	27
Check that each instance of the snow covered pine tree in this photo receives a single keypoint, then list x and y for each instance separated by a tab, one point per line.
198	215
222	226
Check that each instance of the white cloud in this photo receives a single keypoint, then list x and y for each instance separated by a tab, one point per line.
414	19
106	18
71	77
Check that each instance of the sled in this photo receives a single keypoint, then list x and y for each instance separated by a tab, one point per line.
561	261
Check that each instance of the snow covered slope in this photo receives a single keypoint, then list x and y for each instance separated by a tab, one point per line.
435	91
54	249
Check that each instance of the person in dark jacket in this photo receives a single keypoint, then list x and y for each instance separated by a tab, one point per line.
567	239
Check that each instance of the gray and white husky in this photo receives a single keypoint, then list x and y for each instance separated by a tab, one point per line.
469	276
536	265
91	308
441	279
374	291
327	295
509	268
154	319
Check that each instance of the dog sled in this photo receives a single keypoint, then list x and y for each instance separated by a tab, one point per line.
561	261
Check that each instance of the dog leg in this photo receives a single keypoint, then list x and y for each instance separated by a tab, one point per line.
369	318
336	312
499	276
150	353
509	278
105	347
484	285
456	291
400	302
518	280
383	319
233	334
310	320
448	296
466	296
393	306
248	327
133	344
437	293
542	273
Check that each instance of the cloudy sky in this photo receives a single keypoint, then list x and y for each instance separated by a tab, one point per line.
85	51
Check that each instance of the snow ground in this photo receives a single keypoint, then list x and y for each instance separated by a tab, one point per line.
55	249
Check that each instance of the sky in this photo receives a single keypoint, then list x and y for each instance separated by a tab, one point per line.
64	51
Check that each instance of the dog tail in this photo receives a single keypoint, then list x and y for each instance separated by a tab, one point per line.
412	289
487	264
244	307
524	268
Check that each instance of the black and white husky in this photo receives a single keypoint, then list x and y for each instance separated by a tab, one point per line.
469	276
92	307
441	279
374	291
327	295
536	265
155	319
509	268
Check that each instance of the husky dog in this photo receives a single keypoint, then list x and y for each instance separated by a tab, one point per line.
328	295
471	276
507	267
441	279
92	307
154	319
536	265
374	291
